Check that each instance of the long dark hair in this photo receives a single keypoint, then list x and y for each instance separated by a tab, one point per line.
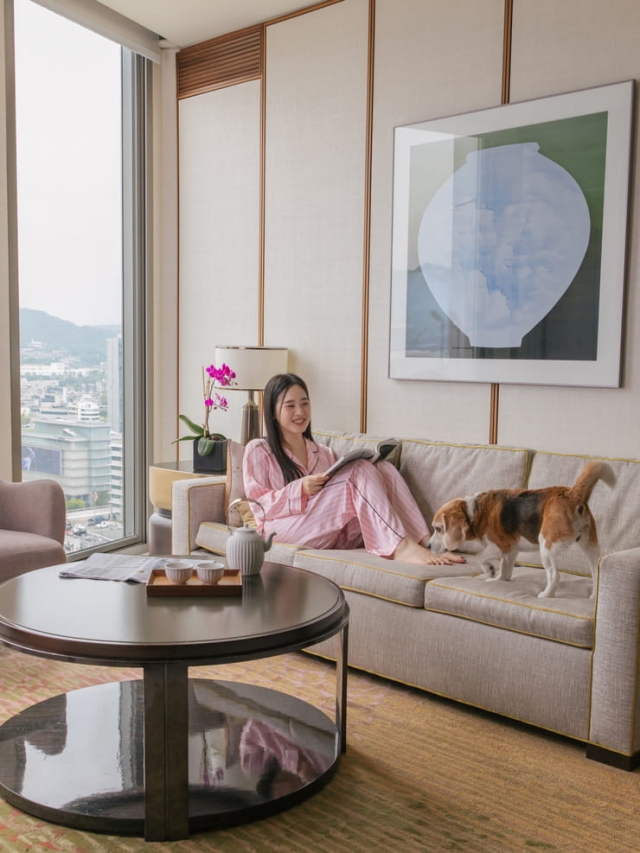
275	387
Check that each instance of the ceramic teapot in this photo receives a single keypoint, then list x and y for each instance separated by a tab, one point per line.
246	548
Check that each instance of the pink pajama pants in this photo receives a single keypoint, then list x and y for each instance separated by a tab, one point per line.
361	504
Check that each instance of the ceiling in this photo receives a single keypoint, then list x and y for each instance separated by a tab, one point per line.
191	21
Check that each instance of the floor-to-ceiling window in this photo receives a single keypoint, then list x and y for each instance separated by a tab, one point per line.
81	207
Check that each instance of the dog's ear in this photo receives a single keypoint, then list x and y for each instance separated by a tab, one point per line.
456	527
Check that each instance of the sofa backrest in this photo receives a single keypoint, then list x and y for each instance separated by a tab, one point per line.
616	510
438	472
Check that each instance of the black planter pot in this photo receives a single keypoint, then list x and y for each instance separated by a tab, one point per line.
214	462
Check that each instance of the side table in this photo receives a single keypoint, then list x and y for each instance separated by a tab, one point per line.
162	476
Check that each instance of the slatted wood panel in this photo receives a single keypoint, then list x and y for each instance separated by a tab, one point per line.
223	61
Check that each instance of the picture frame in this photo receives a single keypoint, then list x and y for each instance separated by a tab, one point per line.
509	242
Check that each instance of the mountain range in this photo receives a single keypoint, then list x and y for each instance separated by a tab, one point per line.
44	337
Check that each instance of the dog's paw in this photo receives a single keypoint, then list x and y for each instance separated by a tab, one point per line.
546	593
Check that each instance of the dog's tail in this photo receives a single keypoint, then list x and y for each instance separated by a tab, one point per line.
589	476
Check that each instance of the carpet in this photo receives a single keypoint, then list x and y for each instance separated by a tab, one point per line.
420	775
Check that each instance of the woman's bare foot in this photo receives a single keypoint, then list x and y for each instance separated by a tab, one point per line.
453	557
409	551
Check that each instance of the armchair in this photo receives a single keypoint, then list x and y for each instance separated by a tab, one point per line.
32	526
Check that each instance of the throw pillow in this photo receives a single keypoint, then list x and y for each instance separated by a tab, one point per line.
241	513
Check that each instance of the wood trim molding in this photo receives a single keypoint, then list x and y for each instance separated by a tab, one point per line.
507	38
263	189
304	11
226	60
219	62
366	248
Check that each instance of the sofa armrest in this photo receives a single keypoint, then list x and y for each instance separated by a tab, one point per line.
37	506
194	501
615	682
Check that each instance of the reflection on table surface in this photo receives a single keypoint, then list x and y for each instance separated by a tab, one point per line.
83	752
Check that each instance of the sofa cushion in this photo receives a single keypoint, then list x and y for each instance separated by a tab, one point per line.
437	472
358	571
213	536
615	510
514	605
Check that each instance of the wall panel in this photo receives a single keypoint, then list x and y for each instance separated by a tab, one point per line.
432	59
316	75
219	176
559	47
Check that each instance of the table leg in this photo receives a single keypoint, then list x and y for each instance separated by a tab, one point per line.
166	760
341	686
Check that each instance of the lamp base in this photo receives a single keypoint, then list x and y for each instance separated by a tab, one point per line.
250	420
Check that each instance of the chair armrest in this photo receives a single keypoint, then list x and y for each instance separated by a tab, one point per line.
37	506
194	501
615	685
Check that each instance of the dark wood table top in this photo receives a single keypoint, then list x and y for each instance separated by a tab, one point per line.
117	623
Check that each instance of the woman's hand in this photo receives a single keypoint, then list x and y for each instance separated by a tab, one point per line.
313	483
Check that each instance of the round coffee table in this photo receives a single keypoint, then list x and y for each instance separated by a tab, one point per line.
168	755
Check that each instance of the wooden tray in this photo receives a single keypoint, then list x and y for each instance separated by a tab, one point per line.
229	584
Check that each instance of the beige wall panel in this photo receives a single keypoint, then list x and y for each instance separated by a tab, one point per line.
432	58
315	143
561	47
575	44
219	237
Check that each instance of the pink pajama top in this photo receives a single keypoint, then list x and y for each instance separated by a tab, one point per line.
264	481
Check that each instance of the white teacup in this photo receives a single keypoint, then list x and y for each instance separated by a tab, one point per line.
210	572
178	571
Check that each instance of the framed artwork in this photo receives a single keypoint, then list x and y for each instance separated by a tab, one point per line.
509	239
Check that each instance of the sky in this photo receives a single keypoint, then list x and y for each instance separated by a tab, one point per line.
68	134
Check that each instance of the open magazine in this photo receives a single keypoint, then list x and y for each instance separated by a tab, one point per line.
382	450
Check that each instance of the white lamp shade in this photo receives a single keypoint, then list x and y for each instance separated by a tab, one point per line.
253	366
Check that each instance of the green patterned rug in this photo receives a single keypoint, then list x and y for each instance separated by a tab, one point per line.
421	775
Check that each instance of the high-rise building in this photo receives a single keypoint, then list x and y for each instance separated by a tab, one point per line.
75	453
114	383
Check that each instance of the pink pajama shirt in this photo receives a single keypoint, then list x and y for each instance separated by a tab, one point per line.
361	504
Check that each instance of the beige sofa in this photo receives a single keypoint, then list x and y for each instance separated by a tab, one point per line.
568	664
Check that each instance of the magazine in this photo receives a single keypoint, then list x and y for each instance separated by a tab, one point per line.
383	450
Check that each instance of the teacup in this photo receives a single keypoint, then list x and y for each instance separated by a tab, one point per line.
210	572
178	571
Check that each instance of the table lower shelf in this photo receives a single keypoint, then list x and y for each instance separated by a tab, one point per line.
78	758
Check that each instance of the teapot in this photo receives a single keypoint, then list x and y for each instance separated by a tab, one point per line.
246	548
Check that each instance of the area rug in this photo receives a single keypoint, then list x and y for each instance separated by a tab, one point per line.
420	775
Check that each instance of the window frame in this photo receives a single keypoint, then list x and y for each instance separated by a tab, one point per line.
137	253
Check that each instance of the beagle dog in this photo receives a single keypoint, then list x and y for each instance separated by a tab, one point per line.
506	521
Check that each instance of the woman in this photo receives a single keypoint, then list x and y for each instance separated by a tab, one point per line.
363	504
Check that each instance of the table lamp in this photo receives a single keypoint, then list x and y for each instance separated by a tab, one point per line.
253	366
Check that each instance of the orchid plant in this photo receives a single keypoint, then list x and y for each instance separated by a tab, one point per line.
212	377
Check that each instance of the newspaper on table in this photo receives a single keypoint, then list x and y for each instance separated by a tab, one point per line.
113	567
